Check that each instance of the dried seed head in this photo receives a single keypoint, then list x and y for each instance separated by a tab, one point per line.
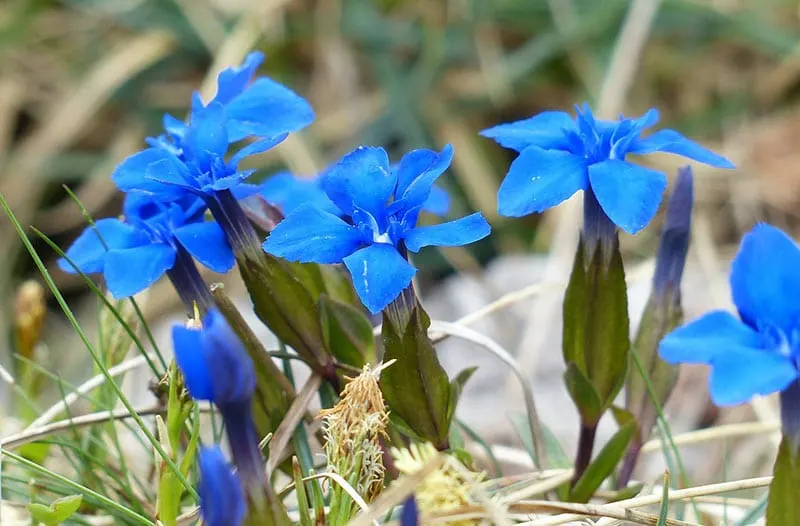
447	488
29	312
353	428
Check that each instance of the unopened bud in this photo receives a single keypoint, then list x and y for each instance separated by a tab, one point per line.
29	312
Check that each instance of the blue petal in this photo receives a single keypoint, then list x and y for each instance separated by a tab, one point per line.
361	179
670	141
131	270
453	234
708	337
221	496
266	109
187	344
417	172
233	81
131	174
223	351
545	130
256	147
207	243
312	235
765	279
229	182
288	192
410	514
168	179
420	162
379	274
739	374
438	202
629	194
174	127
206	138
540	179
88	252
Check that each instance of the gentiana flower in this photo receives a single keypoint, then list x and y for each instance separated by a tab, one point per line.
289	191
217	368
758	352
672	251
221	497
379	208
193	158
559	155
153	239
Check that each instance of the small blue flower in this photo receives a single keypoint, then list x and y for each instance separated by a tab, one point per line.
380	207
192	158
153	239
674	245
221	497
217	368
559	155
288	192
757	353
409	516
215	365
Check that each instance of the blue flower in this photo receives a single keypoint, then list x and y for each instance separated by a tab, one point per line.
260	108
674	246
380	207
756	353
221	497
153	239
288	192
559	155
216	367
214	363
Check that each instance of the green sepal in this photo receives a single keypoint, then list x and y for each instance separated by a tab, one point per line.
603	465
346	332
660	317
596	324
283	301
783	504
416	387
57	512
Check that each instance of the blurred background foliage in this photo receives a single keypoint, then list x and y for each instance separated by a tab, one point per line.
82	82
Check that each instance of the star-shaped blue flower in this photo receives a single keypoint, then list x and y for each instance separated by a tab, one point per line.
153	239
221	497
559	155
758	352
191	157
379	208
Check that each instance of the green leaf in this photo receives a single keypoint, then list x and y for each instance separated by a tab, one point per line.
346	331
556	457
576	306
783	505
659	318
583	394
416	387
603	465
662	514
57	512
596	324
274	394
456	387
